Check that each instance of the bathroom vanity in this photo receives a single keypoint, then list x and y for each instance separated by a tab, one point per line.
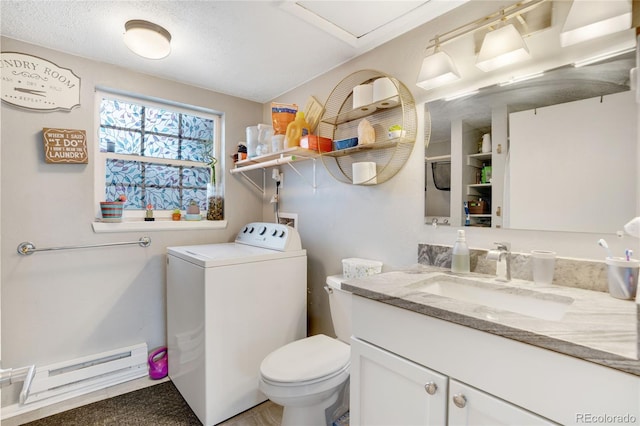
424	354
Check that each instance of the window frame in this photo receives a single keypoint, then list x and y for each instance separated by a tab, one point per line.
100	158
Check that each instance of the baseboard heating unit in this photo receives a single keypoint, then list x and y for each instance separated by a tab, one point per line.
68	379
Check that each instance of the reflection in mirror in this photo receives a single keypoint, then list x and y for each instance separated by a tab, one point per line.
562	156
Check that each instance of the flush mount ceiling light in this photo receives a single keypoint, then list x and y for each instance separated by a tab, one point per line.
437	69
501	47
147	39
590	19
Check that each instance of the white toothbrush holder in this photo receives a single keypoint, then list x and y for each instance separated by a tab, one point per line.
623	277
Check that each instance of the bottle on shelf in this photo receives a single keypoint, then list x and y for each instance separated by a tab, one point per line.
295	130
486	143
486	173
460	261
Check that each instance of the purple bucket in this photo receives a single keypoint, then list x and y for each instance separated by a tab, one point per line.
158	364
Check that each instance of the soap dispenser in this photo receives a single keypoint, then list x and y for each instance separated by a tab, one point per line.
460	259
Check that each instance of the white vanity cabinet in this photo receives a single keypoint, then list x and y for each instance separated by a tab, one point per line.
390	390
396	352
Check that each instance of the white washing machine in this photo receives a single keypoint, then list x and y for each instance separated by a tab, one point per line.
228	306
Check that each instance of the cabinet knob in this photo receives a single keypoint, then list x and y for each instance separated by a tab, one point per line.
431	388
460	400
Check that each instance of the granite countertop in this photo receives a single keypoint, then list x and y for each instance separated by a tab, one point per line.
586	324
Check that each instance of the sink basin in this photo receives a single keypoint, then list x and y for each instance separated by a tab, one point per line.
507	298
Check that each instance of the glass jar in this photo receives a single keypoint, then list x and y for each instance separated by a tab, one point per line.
215	201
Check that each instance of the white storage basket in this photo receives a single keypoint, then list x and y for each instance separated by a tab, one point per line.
359	268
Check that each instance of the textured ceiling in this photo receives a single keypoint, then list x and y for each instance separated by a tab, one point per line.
254	50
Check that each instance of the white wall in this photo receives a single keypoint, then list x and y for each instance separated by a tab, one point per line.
385	222
61	305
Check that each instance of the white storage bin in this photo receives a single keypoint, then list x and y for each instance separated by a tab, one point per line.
359	268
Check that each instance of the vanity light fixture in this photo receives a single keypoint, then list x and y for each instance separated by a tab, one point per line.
588	20
147	39
501	47
521	78
461	95
437	69
602	57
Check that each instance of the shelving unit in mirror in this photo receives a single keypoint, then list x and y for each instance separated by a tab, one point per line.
479	190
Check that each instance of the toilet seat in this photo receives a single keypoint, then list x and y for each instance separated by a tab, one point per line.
306	361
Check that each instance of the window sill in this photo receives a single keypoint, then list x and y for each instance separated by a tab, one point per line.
157	225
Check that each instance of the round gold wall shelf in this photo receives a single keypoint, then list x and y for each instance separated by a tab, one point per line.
341	120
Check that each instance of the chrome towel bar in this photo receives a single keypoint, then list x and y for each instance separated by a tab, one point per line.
27	248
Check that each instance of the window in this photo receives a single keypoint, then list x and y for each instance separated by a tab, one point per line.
153	153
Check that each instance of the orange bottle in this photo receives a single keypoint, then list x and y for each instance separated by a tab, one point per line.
295	130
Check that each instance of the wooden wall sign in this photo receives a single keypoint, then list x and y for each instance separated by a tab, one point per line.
65	146
37	84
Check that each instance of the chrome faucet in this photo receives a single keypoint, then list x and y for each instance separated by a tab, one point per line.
502	255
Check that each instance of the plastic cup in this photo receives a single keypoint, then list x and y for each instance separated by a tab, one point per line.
252	141
622	275
543	263
277	143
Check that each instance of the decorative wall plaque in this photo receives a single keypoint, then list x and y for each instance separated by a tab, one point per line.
65	146
37	84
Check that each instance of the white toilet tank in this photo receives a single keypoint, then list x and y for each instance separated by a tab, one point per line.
340	305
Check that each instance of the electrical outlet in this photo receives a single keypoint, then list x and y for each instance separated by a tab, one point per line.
289	219
278	176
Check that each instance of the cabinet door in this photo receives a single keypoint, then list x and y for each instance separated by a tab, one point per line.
389	390
469	406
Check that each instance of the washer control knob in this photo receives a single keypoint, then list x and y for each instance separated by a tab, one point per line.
262	230
274	233
282	233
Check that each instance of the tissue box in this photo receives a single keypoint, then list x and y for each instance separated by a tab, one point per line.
360	268
345	143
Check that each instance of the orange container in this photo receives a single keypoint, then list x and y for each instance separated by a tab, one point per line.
316	143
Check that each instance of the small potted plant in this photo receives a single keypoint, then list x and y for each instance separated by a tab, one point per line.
112	210
193	211
176	214
148	217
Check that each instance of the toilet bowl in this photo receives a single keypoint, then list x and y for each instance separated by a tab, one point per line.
310	377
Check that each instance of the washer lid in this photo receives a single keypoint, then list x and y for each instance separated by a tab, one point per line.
307	359
224	254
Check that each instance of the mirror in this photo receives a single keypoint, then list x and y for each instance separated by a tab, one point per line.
458	127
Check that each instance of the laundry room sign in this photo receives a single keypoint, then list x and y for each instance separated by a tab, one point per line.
65	146
37	84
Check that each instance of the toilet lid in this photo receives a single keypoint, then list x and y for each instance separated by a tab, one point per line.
307	359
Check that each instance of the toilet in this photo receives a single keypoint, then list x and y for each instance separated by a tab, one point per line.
310	377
